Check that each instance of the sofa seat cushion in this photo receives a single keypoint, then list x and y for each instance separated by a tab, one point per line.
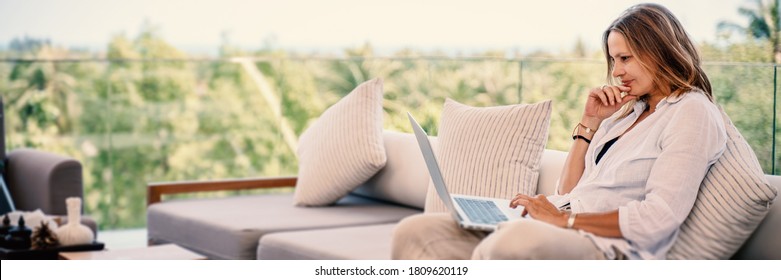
229	228
350	243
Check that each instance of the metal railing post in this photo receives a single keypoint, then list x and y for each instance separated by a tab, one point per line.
775	117
520	81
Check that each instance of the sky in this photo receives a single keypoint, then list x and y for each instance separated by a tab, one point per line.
312	25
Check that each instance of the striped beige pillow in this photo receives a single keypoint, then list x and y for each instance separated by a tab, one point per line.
343	148
492	151
733	199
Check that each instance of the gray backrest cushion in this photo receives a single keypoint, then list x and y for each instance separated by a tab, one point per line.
764	243
550	170
404	179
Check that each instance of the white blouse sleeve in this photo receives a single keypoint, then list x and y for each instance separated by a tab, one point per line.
690	144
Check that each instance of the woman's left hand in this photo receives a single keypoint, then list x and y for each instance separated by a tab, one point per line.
540	209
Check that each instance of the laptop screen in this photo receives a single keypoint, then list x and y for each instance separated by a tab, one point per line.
2	136
432	165
6	204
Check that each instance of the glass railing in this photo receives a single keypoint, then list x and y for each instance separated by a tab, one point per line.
131	122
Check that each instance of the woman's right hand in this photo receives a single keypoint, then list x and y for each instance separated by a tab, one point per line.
603	102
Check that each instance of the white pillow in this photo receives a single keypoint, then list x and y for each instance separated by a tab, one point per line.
491	151
343	148
733	199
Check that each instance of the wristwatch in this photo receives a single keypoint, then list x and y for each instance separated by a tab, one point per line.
571	220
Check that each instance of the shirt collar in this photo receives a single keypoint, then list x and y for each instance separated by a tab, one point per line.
676	99
640	106
670	100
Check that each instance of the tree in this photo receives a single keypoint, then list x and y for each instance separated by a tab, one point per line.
42	91
764	23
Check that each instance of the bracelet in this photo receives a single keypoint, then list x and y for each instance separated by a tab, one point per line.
571	220
588	129
576	137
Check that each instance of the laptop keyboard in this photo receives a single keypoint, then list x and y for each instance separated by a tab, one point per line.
481	211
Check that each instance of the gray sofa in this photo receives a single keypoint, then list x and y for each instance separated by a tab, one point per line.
359	226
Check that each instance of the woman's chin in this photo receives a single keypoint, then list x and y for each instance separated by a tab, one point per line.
635	93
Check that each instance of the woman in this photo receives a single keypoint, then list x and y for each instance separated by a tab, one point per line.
640	152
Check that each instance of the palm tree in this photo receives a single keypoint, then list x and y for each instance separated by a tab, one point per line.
764	23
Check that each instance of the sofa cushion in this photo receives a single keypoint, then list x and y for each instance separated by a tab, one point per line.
229	228
404	179
733	199
550	170
349	243
764	243
343	148
490	151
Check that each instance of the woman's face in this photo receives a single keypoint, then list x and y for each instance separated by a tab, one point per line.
627	68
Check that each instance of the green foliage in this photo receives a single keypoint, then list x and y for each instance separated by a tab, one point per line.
566	83
764	24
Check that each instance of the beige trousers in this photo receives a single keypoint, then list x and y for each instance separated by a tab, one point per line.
438	236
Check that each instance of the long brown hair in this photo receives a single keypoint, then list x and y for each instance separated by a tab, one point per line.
662	47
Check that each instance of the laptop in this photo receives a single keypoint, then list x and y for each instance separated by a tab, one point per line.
471	212
6	204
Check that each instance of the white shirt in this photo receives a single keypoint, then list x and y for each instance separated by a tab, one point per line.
651	174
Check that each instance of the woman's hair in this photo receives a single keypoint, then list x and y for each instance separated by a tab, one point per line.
661	46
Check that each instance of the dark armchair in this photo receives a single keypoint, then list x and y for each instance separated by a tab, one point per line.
40	180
